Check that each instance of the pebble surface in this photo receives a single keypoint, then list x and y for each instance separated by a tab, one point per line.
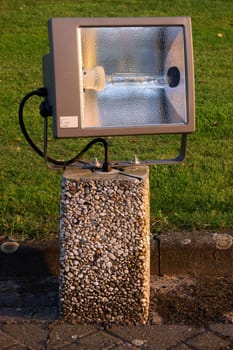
105	247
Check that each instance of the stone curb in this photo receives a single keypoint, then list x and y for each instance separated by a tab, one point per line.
177	253
200	254
33	259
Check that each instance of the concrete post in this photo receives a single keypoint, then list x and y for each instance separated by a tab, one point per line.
105	246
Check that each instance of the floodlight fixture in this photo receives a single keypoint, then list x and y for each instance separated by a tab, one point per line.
120	76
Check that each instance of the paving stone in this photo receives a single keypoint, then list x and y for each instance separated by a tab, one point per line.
30	335
5	341
61	336
65	334
23	313
162	336
126	346
15	313
45	313
181	347
74	346
224	329
17	347
208	341
138	342
99	341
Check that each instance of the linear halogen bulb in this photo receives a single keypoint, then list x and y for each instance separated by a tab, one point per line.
96	79
141	79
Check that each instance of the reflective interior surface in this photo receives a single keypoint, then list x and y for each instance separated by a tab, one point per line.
144	73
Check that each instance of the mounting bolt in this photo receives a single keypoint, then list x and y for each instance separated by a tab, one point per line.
95	163
135	160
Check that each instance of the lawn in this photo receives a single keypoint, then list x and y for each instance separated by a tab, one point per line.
194	195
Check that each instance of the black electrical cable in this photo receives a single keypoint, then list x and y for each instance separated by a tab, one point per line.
43	93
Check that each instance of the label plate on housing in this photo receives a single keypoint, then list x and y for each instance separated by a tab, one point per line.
69	122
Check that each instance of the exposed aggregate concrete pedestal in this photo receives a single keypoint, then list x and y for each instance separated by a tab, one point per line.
105	246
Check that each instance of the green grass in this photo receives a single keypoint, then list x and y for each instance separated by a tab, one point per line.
195	195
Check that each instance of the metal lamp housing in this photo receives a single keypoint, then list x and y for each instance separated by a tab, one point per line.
120	76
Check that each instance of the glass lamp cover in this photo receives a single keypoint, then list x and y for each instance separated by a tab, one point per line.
132	76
